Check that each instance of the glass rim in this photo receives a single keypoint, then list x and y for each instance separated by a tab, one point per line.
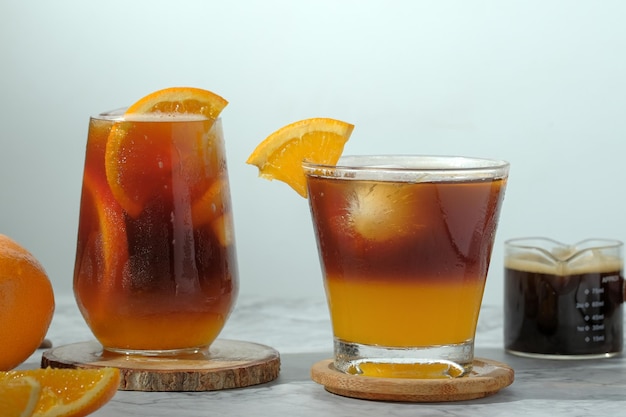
427	167
118	115
561	252
602	242
115	114
532	243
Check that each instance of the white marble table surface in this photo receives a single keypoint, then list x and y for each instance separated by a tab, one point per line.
300	330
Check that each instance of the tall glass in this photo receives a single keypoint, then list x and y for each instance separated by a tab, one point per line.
156	269
405	244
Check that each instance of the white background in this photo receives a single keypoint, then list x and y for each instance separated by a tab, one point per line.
539	83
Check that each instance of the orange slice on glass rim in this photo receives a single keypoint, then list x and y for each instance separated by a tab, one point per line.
318	140
129	155
66	392
180	100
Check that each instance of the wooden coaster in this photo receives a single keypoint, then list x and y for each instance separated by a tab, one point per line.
228	364
486	378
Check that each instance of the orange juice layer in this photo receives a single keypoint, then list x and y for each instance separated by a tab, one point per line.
157	332
155	321
403	314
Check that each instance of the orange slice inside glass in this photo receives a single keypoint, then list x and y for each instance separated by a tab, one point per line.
210	205
68	392
280	155
136	157
111	228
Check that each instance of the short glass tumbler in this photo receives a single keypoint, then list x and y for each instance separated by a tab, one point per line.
405	244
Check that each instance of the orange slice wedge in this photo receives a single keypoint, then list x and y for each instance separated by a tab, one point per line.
180	100
18	397
68	392
211	204
280	155
223	227
112	228
135	153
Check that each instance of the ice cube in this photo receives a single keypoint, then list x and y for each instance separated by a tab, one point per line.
380	211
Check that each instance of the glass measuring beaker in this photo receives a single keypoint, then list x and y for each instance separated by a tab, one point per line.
563	301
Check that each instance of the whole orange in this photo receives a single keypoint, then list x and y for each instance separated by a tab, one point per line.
26	303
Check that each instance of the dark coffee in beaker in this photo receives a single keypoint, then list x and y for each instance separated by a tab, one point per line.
564	302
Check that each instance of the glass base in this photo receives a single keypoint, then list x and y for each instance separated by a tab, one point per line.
562	356
164	352
442	361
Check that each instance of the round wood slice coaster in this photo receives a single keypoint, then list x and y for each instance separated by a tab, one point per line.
228	364
486	378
